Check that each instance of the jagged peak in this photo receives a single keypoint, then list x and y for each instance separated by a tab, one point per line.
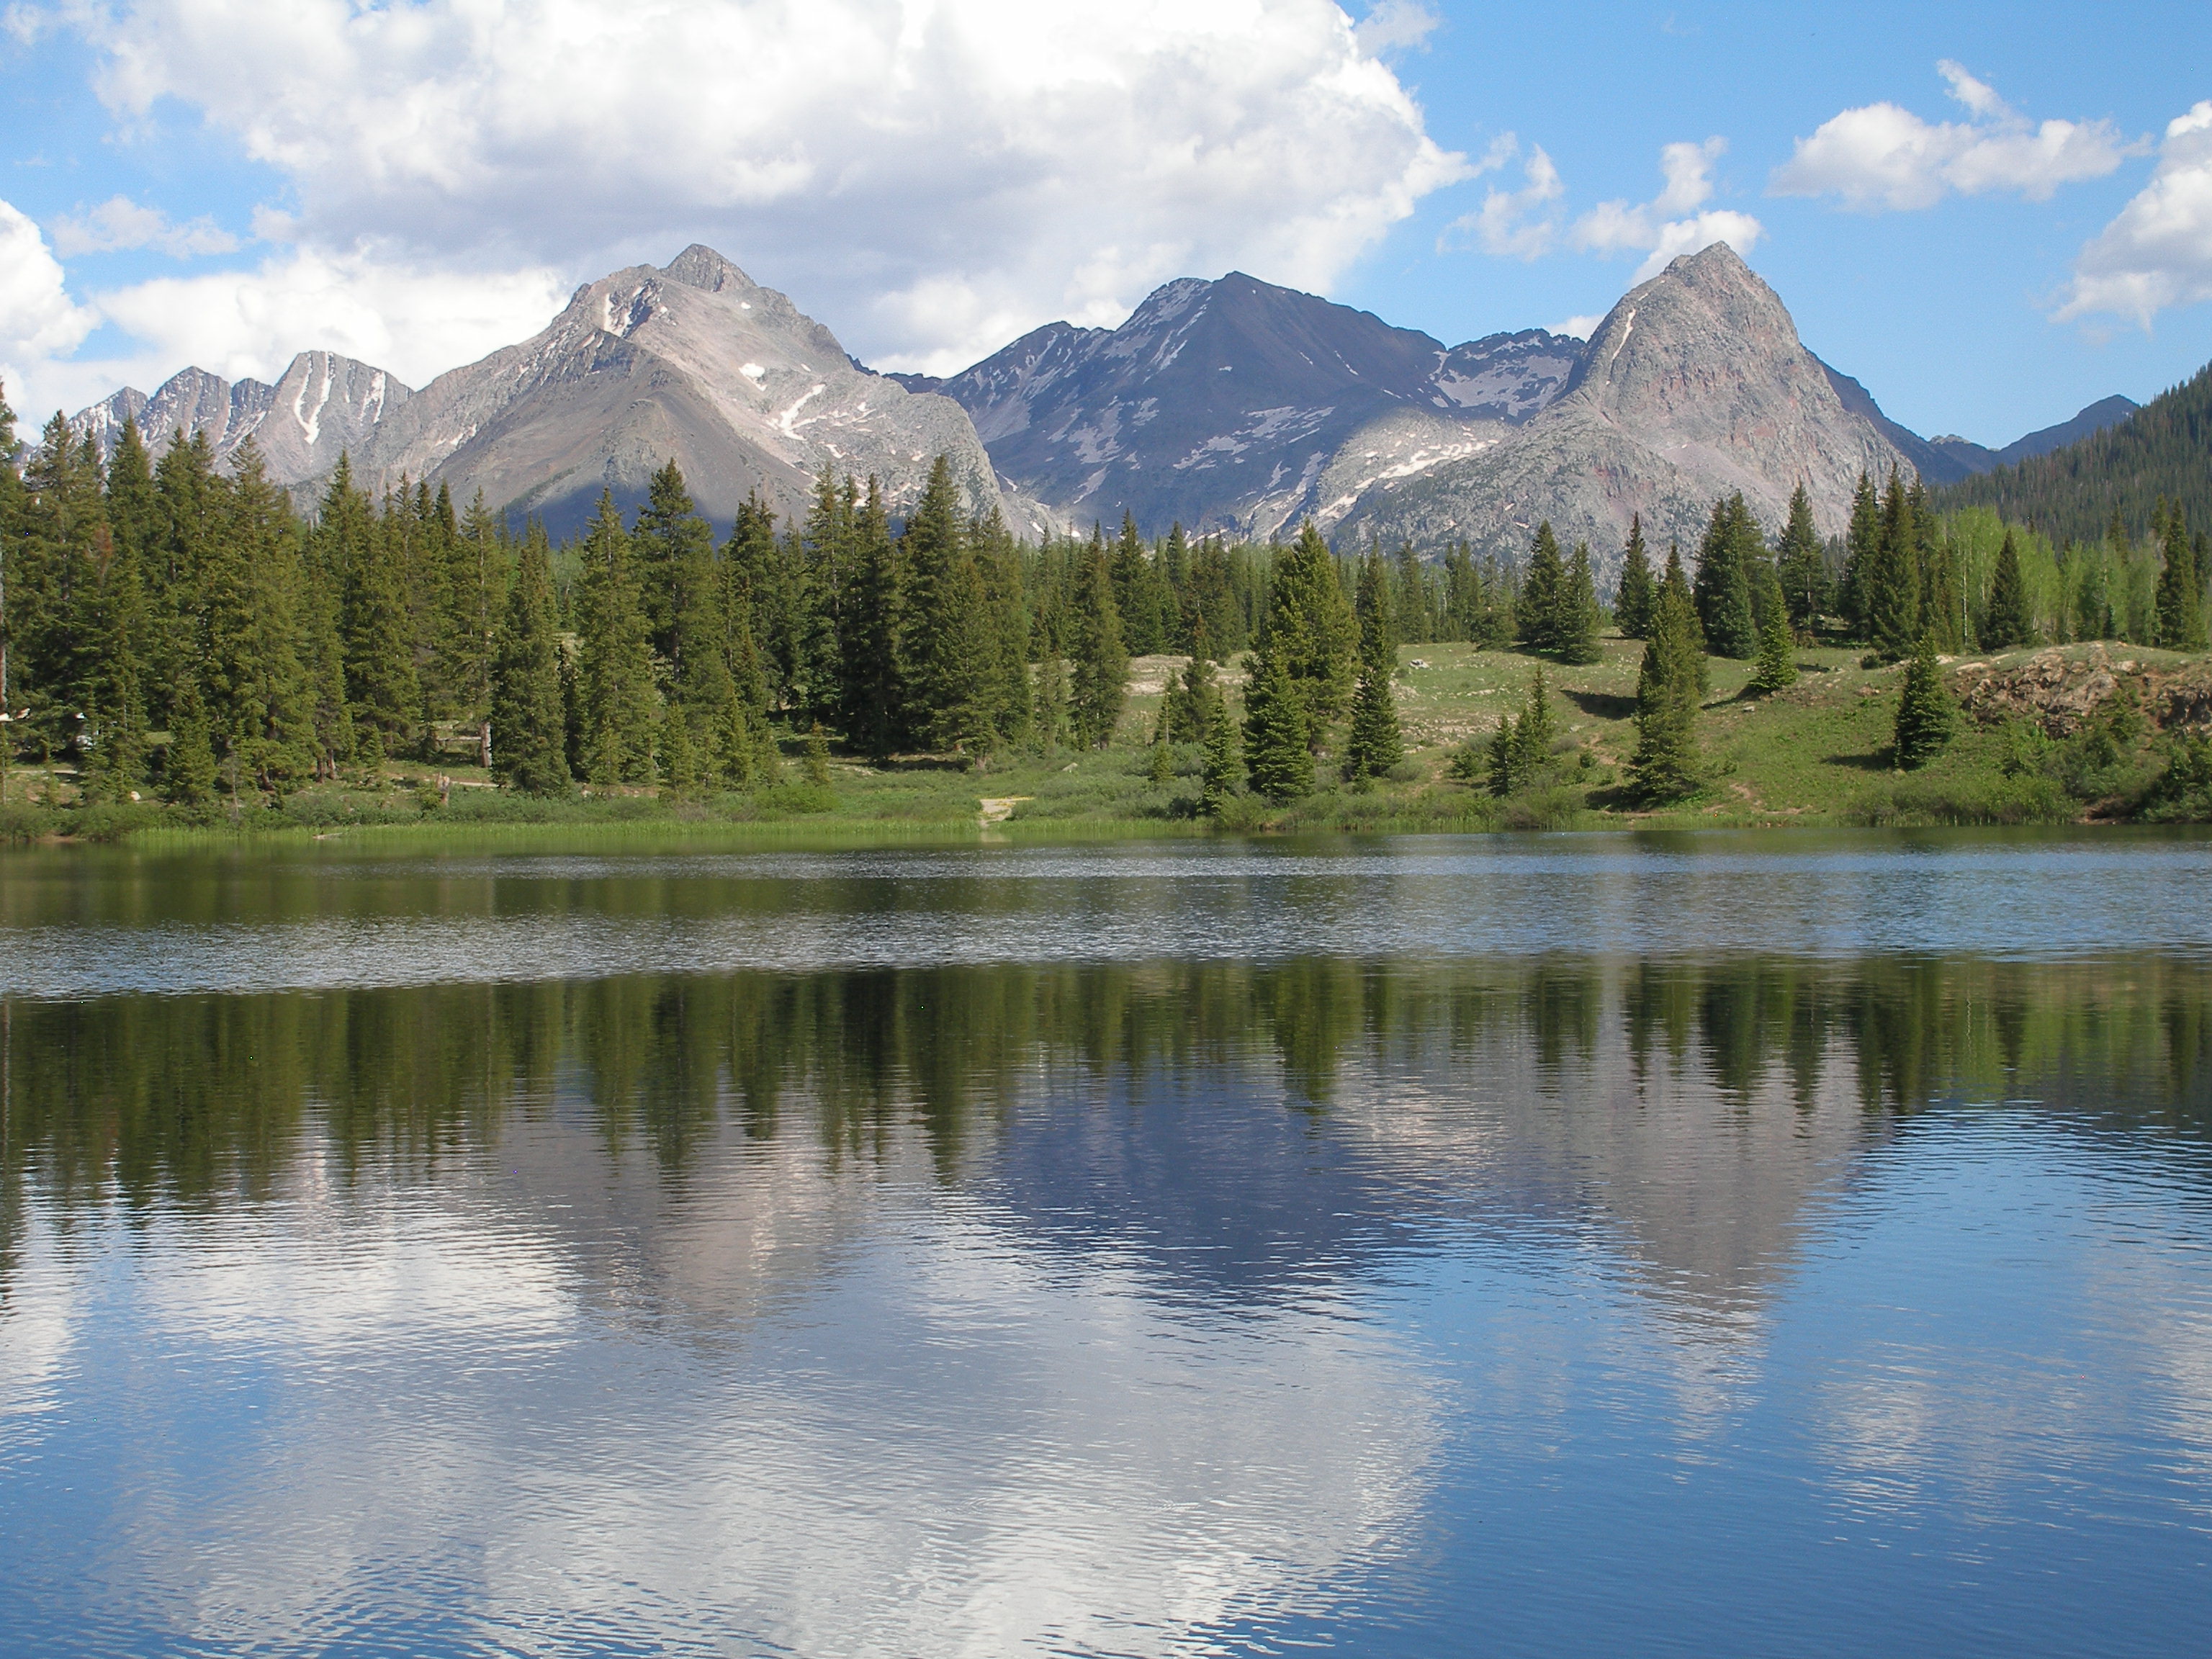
699	266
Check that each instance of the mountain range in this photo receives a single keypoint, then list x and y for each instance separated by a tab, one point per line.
1230	405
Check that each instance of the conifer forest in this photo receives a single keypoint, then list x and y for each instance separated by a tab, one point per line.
175	632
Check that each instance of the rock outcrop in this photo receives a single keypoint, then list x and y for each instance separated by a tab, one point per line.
323	405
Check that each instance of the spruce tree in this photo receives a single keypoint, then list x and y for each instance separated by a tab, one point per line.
1924	711
1278	748
1575	632
1777	665
1863	548
1189	704
259	693
1311	631
1100	670
1669	688
1532	737
1504	771
188	771
1051	728
679	761
529	747
1892	583
1135	593
617	711
1802	565
871	642
1637	593
1375	744
2008	622
2181	624
1724	591
1540	609
1224	762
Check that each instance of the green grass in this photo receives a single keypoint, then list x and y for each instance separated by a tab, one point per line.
1814	754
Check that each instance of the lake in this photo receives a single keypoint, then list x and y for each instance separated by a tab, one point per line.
1580	1245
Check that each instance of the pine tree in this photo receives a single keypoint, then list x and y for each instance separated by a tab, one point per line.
2007	623
1533	737
1724	591
1502	773
1575	632
1375	744
871	640
1100	675
1278	748
1801	566
2180	588
1189	703
1051	727
1637	594
614	666
1924	711
1135	596
679	761
528	722
259	694
1669	688
818	757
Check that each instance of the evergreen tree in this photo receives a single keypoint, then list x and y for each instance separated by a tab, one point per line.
528	721
1135	593
1100	675
1637	594
1311	633
188	773
1576	631
1802	568
1891	587
1669	688
1777	663
1375	744
1863	550
871	643
1188	706
2008	622
1726	559
679	761
1541	607
260	695
1051	727
2180	623
1224	763
1924	711
616	710
1277	742
1943	600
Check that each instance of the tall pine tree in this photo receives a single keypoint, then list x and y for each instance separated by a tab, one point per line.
1637	593
1375	744
528	721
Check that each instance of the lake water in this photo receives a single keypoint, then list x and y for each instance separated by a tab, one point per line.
1573	1246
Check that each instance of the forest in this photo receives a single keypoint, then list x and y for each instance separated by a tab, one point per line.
174	630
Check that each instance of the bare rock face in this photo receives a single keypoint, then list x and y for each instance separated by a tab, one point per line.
2063	689
1696	386
693	362
1232	406
323	405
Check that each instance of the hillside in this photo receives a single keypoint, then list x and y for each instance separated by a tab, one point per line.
2070	494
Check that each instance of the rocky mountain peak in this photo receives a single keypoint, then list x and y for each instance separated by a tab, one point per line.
699	266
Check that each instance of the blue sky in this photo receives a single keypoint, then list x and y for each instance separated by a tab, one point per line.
1991	214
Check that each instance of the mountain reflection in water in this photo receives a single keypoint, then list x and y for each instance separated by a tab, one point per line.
1591	1304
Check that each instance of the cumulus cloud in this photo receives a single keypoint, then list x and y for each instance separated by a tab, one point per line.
1673	222
1516	224
928	178
2158	252
1529	223
1397	26
39	320
1881	156
119	222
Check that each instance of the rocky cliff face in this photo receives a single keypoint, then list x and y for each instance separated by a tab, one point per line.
323	404
1695	385
1224	406
695	362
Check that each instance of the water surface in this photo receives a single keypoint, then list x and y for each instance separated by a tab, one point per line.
1559	1245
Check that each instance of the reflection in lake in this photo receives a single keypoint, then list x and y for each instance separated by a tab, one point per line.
1538	1302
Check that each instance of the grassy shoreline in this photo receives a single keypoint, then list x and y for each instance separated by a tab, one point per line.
1812	756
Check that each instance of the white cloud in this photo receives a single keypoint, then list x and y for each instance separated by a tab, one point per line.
1880	156
1518	224
1397	26
1673	222
38	320
928	179
119	222
2158	252
1579	327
